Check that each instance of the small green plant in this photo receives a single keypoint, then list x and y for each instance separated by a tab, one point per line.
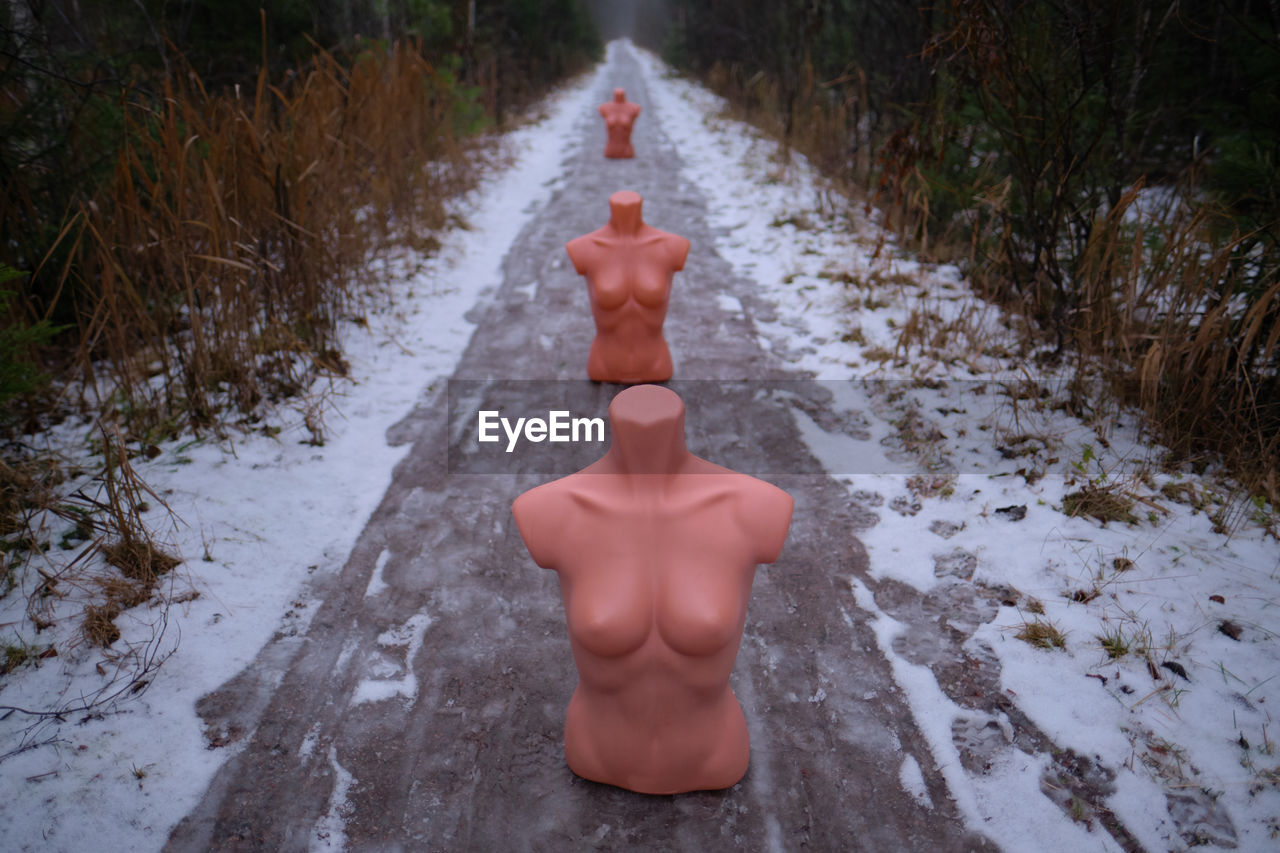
1114	643
80	531
1264	514
15	655
1082	464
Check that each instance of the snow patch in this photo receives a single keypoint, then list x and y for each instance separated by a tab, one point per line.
913	781
729	303
331	830
410	634
376	583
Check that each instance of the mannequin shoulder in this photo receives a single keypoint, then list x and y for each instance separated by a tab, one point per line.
677	250
761	511
539	515
765	512
753	500
760	497
582	250
671	248
560	500
541	502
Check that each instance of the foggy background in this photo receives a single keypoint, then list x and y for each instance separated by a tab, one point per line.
643	21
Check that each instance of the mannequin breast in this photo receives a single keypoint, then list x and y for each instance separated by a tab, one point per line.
690	608
679	585
629	278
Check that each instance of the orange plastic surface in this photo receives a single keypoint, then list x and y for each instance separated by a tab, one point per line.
656	550
629	267
619	118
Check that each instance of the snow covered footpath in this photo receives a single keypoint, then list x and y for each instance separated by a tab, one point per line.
1187	596
259	519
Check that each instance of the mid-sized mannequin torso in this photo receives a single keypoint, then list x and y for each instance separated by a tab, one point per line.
656	550
619	118
628	266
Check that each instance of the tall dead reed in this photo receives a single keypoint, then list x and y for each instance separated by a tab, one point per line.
206	277
212	270
1192	330
826	120
1024	164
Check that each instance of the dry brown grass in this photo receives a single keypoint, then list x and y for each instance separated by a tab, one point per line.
211	273
1188	328
100	627
207	280
117	564
1179	315
1103	503
825	122
140	561
126	593
1042	635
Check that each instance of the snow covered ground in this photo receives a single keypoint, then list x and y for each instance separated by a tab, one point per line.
1181	718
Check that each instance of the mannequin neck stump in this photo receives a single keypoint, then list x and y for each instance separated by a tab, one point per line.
647	427
624	212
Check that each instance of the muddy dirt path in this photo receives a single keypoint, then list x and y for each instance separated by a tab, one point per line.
422	708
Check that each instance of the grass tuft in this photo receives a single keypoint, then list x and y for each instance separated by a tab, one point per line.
100	628
125	593
1115	644
140	561
1102	503
1042	635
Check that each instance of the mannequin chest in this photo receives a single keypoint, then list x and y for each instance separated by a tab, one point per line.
631	273
682	584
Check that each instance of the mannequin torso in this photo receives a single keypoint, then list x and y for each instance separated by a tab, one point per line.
629	266
656	550
619	118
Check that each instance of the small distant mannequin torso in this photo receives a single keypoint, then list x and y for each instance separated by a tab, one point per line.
628	266
656	550
619	118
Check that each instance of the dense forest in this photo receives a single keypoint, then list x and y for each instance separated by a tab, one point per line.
1111	170
190	187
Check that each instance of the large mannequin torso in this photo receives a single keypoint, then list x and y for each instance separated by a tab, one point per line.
619	118
656	550
628	266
